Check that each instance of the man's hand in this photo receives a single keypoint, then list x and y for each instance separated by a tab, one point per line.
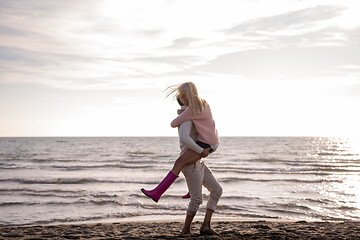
205	152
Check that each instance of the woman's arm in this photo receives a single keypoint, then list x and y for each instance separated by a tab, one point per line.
185	137
183	117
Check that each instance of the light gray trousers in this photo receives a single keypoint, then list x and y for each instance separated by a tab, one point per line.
198	175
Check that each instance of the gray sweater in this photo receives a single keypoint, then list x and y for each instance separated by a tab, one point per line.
187	135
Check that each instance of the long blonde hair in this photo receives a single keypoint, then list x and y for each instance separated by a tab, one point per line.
189	90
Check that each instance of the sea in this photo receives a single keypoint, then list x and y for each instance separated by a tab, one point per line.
63	180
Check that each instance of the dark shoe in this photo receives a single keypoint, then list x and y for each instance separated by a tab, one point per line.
207	231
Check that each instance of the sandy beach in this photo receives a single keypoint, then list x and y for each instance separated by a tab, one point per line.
171	230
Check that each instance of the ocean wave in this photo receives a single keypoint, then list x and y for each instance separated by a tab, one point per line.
254	171
84	167
6	204
232	179
11	166
139	161
345	208
81	201
162	207
49	160
319	200
292	206
74	181
286	212
48	194
264	160
336	153
67	220
231	213
239	198
139	154
87	219
286	208
39	191
234	208
61	194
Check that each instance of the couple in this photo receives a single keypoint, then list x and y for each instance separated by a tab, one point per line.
195	123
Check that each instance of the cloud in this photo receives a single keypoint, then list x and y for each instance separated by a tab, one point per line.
77	43
328	36
12	56
353	90
286	63
292	19
151	32
183	42
4	30
176	60
41	8
309	54
80	71
354	35
16	55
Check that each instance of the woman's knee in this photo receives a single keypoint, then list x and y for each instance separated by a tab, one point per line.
180	162
188	157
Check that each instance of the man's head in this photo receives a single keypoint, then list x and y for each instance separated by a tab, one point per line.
179	101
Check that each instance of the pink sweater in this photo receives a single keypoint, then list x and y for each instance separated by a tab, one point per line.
204	124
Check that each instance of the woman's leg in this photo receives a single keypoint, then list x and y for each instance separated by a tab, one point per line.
188	157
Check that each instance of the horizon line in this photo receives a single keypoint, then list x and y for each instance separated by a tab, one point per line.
150	136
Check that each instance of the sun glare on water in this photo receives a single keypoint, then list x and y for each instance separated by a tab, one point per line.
343	155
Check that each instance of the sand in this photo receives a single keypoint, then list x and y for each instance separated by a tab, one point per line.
171	230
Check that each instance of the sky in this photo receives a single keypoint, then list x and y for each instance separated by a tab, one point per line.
100	68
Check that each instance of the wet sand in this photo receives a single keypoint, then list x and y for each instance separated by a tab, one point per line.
171	230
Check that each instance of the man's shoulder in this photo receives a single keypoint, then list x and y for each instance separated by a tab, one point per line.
186	127
187	123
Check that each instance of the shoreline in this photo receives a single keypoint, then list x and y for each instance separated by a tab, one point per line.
168	229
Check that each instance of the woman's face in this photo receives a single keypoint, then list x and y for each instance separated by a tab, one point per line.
183	99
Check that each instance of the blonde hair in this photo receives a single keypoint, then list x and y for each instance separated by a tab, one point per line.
189	90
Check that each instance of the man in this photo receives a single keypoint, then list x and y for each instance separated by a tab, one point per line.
197	175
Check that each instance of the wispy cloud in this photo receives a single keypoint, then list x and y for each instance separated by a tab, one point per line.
183	42
293	19
85	43
293	45
286	63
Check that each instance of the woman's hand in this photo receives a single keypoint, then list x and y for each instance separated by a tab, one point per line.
179	111
205	152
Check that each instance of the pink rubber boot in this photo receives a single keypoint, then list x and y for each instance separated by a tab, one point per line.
156	193
186	195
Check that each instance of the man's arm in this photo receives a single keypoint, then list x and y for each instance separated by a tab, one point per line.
185	137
